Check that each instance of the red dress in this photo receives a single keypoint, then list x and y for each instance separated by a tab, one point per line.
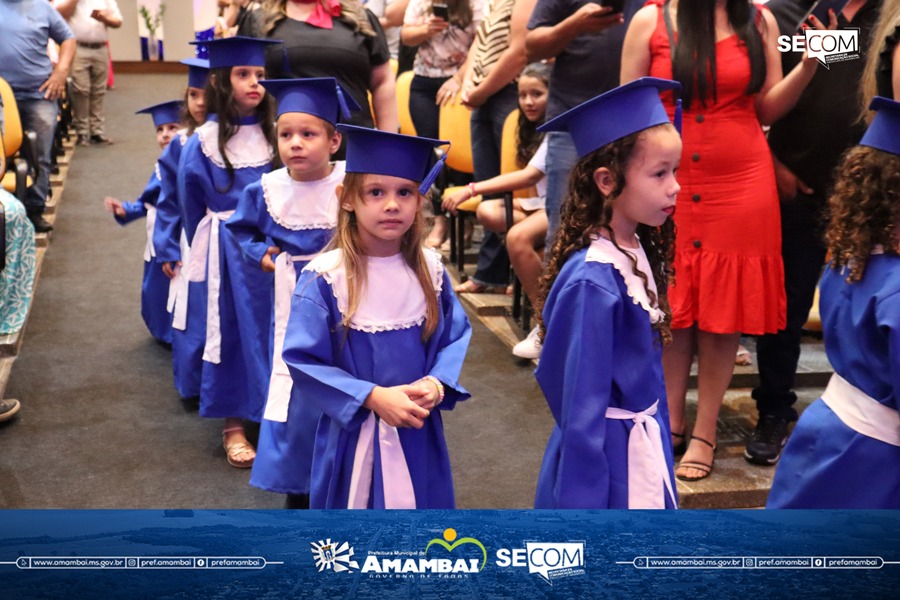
729	276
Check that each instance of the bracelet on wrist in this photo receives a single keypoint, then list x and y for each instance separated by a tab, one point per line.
472	189
440	387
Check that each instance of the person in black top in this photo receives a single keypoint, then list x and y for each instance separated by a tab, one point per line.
806	145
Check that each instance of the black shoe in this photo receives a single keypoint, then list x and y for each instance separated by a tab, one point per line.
82	140
101	139
767	440
41	225
8	408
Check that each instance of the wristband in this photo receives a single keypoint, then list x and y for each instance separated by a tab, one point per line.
439	385
472	189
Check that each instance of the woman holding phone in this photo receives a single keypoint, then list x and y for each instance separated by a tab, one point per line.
443	30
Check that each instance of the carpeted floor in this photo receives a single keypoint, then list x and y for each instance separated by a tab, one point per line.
101	425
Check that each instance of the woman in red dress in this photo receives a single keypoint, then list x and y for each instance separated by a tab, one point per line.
729	276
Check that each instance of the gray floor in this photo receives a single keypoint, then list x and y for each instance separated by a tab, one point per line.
101	425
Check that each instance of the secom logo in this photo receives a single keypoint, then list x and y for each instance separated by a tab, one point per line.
548	560
825	46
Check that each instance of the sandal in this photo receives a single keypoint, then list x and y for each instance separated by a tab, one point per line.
234	450
706	469
681	448
743	358
470	286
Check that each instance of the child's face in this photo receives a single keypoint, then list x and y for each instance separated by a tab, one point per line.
532	98
196	104
385	212
305	145
651	187
165	133
248	92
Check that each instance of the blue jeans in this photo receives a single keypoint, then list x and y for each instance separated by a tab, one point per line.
39	116
487	133
561	157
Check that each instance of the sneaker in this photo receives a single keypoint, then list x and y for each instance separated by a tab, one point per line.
530	347
767	440
100	139
83	140
8	408
41	225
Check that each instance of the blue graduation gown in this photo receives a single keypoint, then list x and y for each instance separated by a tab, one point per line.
599	352
336	369
826	464
154	284
235	387
187	344
284	450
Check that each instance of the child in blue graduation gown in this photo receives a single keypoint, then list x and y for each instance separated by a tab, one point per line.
226	154
187	301
154	285
605	312
281	223
845	449
376	337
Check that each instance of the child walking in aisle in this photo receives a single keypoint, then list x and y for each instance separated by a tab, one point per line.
845	449
187	301
226	154
376	337
155	285
605	311
281	223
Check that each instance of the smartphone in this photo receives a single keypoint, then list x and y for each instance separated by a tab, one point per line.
441	11
820	10
617	6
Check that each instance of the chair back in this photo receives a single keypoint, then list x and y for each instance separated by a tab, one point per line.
508	150
455	127
12	124
404	80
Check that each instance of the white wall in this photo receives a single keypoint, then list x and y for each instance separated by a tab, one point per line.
178	25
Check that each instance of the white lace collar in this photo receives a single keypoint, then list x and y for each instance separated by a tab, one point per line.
603	251
299	205
248	147
392	299
183	136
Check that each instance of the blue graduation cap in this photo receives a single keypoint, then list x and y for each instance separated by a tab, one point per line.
884	131
166	112
622	111
237	51
322	97
393	154
198	71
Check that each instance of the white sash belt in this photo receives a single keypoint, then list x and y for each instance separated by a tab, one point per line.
280	380
862	413
149	250
647	468
397	483
178	289
204	266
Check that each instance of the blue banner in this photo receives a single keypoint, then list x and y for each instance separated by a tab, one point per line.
448	554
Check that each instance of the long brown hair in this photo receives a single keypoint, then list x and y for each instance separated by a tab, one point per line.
186	117
888	21
586	211
865	209
528	139
352	12
220	101
460	12
347	239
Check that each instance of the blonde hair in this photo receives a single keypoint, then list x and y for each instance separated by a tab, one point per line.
352	13
347	239
888	20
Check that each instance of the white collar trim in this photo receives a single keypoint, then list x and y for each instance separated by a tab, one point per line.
248	147
386	278
603	251
300	205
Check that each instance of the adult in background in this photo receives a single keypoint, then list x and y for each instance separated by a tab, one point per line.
26	26
334	38
489	89
89	20
586	39
882	73
805	155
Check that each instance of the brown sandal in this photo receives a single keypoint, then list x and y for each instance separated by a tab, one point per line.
235	449
706	469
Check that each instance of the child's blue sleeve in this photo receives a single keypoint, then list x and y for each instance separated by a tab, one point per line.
167	233
137	209
247	221
575	375
455	334
310	348
193	179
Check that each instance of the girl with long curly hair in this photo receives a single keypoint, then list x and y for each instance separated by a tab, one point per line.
845	449
605	312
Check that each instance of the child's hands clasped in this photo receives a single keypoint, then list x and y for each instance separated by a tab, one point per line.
395	407
114	206
423	392
267	264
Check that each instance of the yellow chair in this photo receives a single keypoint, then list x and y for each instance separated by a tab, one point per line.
455	126
22	170
404	80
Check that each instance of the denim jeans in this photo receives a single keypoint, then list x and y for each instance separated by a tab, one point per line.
39	116
487	133
561	157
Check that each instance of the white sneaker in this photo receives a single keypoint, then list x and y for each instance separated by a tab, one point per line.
530	347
